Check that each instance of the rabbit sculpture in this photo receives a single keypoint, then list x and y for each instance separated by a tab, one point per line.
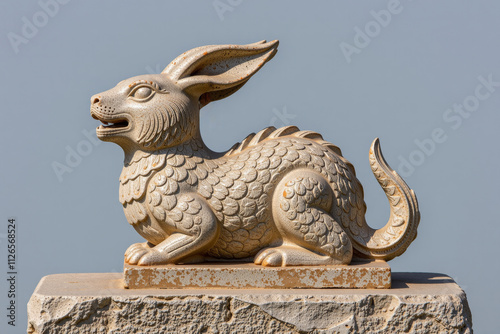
282	197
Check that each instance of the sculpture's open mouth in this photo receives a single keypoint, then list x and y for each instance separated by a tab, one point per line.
110	125
113	125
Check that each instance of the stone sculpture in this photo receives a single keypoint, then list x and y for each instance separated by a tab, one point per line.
282	196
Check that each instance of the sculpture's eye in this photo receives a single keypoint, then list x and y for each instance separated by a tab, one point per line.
141	93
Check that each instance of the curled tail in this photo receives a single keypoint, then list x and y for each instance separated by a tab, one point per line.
394	238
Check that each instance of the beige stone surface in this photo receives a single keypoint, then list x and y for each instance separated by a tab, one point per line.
283	197
361	275
96	303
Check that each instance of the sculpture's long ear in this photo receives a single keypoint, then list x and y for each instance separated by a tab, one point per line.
214	72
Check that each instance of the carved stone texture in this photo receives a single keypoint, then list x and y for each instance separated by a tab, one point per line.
283	197
360	275
96	303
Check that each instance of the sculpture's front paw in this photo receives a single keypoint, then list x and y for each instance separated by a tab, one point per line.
153	257
142	254
135	252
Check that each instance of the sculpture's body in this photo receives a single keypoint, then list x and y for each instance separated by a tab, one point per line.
285	196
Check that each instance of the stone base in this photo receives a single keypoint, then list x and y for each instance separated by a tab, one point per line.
361	275
98	303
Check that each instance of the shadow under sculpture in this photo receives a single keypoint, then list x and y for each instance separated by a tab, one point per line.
283	197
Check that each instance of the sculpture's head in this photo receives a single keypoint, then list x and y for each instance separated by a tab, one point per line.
156	111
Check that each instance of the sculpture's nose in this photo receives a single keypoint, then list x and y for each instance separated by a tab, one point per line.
95	99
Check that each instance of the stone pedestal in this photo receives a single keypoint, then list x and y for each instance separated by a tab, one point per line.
98	303
357	275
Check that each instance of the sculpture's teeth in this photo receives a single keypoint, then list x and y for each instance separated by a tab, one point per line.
107	125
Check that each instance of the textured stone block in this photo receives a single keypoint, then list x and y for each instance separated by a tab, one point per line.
98	303
361	275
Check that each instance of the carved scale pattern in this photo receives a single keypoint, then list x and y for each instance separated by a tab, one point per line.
239	185
302	200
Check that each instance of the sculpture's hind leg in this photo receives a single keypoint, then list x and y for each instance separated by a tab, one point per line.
311	236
